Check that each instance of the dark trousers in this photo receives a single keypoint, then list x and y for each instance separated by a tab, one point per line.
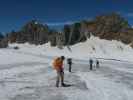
60	76
91	66
70	67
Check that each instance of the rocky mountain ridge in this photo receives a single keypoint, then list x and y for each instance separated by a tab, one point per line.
110	27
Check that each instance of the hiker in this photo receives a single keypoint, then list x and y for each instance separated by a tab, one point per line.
58	66
97	64
91	64
69	62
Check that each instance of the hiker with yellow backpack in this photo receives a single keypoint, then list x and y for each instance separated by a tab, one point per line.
58	66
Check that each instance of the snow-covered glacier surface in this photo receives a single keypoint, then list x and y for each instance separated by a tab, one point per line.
26	74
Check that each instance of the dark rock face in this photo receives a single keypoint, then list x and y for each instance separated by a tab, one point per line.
33	32
52	37
36	33
3	42
74	33
67	31
111	27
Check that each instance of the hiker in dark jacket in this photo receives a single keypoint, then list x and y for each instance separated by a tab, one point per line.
91	64
69	62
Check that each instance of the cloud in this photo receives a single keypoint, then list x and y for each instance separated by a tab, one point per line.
59	23
67	22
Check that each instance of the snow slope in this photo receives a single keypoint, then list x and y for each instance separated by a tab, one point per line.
34	79
93	47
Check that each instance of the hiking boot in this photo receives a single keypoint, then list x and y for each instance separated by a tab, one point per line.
63	84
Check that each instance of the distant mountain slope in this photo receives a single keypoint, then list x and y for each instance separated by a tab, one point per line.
93	47
109	26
